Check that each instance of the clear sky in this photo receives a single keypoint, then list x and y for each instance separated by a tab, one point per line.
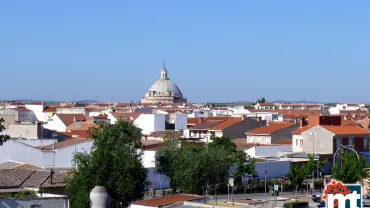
215	50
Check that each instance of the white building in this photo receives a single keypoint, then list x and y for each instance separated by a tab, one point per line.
38	109
21	114
150	123
60	122
345	108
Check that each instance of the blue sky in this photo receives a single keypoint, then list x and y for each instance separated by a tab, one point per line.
215	50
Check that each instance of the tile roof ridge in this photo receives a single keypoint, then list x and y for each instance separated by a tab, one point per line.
33	172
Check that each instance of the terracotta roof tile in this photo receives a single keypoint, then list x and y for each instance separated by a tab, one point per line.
346	130
349	122
82	134
272	127
50	109
125	116
227	123
206	124
102	116
284	142
193	121
300	130
218	118
266	104
168	200
68	119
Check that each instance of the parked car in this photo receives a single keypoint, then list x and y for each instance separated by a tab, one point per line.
321	205
316	198
366	201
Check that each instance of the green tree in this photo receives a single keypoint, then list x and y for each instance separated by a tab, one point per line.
114	162
3	138
351	169
242	167
194	168
298	173
222	142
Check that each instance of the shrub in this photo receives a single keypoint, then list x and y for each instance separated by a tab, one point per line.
296	204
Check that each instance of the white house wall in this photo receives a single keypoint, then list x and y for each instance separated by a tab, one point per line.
150	123
63	156
37	110
55	124
268	151
20	152
181	122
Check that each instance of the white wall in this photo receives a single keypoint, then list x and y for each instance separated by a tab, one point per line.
28	131
38	142
150	123
148	158
181	122
37	110
63	156
112	119
72	111
276	169
55	124
20	152
296	147
267	151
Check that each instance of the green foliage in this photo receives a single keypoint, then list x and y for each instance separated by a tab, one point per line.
262	100
300	172
294	204
114	163
3	138
351	170
194	168
19	195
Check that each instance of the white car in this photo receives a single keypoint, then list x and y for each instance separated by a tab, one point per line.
366	201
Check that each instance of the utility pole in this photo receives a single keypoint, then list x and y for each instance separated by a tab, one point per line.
313	155
265	188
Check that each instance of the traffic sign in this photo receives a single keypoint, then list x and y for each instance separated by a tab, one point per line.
276	187
231	181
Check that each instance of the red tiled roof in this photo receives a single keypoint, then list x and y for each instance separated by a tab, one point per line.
68	119
266	104
241	143
284	142
102	116
346	130
272	127
65	143
119	116
20	109
218	118
193	121
51	109
168	200
300	130
348	122
227	123
365	112
206	124
82	134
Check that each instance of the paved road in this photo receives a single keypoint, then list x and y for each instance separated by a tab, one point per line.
261	196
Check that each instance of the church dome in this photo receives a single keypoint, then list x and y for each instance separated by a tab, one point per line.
165	85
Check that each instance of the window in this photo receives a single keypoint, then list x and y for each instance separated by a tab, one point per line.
250	139
259	139
350	141
366	144
301	143
296	142
339	142
266	140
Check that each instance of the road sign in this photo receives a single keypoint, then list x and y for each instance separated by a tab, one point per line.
231	181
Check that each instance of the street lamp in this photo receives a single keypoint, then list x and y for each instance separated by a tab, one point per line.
313	154
265	188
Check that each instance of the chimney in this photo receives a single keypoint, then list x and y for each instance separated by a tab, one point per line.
302	122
